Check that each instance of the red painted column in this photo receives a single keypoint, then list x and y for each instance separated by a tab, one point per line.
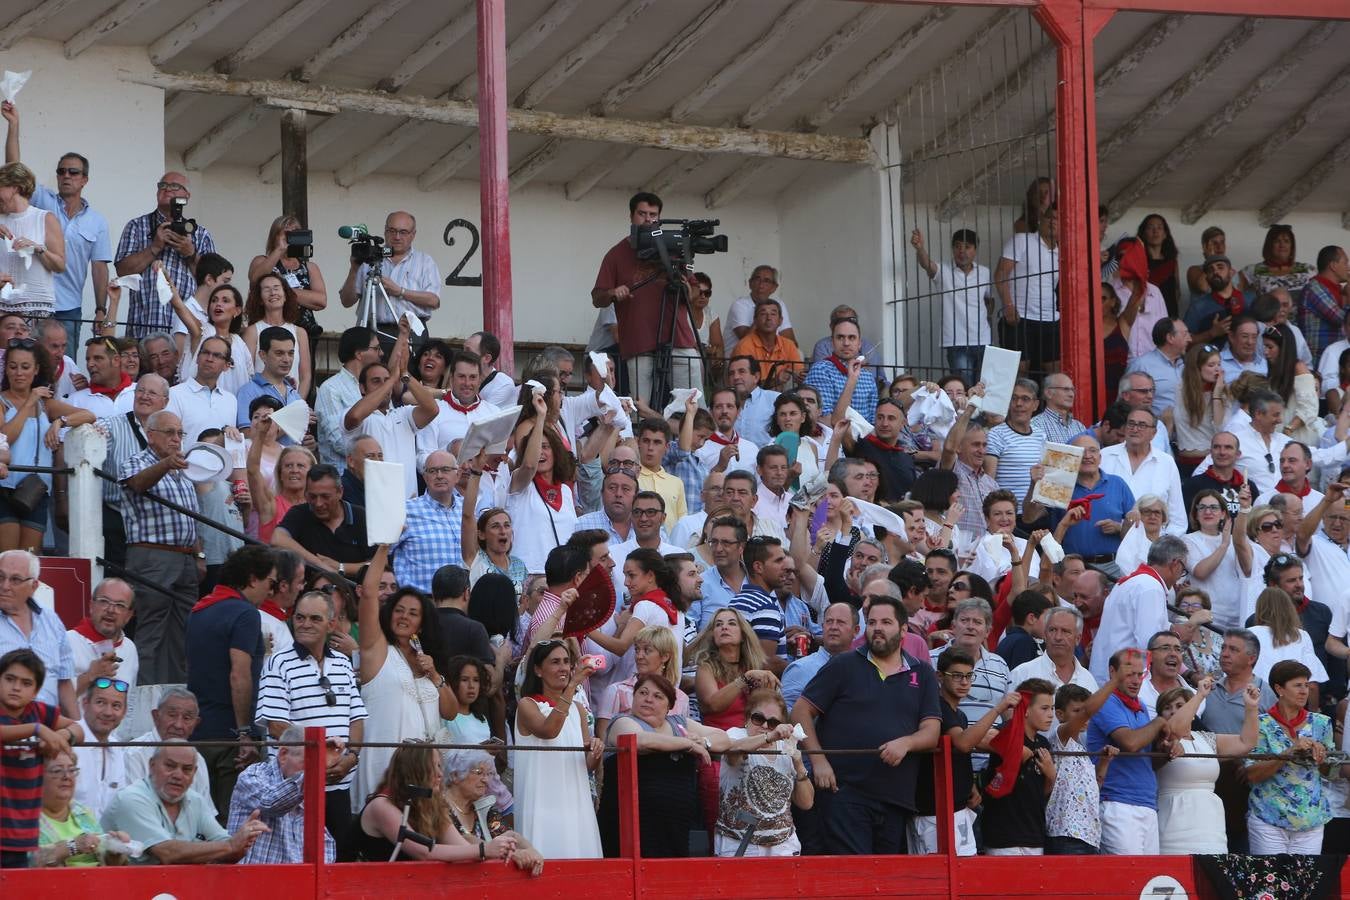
316	769
493	177
1073	28
630	835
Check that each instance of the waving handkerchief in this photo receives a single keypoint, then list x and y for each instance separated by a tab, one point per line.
11	84
415	326
935	409
871	514
25	253
992	560
537	387
131	282
600	361
1053	551
859	426
162	289
678	397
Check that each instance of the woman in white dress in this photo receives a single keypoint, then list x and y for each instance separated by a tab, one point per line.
39	245
402	674
271	302
1149	518
540	501
554	810
1218	552
1278	629
224	315
1190	814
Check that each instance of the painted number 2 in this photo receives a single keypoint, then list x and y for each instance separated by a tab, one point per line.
454	279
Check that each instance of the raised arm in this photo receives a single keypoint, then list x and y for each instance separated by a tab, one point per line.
527	460
1074	725
373	645
921	253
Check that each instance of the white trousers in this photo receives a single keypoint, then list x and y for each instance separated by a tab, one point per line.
1267	840
686	371
921	832
1014	851
1129	830
725	845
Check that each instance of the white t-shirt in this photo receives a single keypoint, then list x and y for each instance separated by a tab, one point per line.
965	318
83	652
450	425
1329	366
500	391
1225	585
539	527
1034	277
711	451
1301	650
397	435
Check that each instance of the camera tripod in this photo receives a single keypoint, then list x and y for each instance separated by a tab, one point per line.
372	295
674	300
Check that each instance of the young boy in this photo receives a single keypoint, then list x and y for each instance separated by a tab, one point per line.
1021	642
44	732
1073	826
956	670
1014	823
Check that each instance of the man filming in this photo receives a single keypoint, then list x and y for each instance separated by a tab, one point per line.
410	278
636	289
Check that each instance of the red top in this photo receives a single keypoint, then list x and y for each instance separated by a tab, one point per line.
638	315
21	783
731	717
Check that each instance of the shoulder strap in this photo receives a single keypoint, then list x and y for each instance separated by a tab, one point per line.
136	429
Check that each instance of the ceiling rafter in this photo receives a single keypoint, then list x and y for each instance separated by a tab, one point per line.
556	74
194	27
351	37
217	142
1291	195
105	25
25	24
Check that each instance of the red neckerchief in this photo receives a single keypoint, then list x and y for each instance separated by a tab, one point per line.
549	490
1131	703
60	370
86	629
659	597
220	593
1086	502
1290	725
1331	286
111	392
1160	273
838	364
725	442
270	607
882	445
450	399
1234	481
1282	488
1207	387
1144	569
1008	746
1303	604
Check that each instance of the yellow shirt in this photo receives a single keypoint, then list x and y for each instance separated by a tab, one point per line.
671	490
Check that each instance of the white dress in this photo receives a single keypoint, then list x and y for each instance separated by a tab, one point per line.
1225	585
400	707
554	810
1190	814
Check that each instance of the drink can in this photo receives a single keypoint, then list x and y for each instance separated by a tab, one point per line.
237	487
802	643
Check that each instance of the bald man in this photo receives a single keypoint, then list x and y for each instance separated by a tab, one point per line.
409	277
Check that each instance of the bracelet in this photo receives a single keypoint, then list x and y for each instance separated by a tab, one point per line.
801	778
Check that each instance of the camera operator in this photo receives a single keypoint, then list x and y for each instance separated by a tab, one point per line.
639	310
153	236
411	279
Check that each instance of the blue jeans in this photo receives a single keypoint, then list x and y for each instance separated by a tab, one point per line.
966	362
70	318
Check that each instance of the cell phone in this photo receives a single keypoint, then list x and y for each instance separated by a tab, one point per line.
416	644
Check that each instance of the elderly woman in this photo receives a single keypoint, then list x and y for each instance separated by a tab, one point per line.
1218	551
1190	814
272	500
669	749
68	832
475	796
1146	523
765	787
1201	652
1288	803
39	245
655	652
377	828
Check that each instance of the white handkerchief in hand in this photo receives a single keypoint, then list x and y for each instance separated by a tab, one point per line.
537	387
935	409
12	83
600	361
871	514
1053	551
860	427
415	326
130	282
8	290
162	289
678	397
384	521
25	253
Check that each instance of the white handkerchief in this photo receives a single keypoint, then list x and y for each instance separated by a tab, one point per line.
12	83
490	434
8	290
860	427
871	514
934	409
131	282
293	421
1053	551
601	363
678	397
537	387
238	450
384	521
162	289
25	253
415	326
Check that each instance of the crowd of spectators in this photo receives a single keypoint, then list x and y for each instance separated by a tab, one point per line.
813	556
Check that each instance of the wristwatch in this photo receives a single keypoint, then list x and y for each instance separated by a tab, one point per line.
71	848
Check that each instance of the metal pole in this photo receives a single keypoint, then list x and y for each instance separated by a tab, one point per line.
493	177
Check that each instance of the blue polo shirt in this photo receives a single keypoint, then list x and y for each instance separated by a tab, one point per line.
1129	779
717	594
1086	538
256	387
1200	314
86	241
861	708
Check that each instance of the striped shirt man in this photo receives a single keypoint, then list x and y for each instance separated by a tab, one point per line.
1016	454
764	613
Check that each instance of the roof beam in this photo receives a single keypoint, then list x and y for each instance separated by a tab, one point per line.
582	53
443	169
736	183
677	171
1163	104
1254	158
1012	157
217	142
269	37
352	37
692	34
458	28
664	135
535	163
1213	125
194	27
403	136
105	25
958	59
1281	203
23	25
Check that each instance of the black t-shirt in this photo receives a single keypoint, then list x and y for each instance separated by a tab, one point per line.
1017	819
963	774
860	709
232	624
464	636
896	468
346	543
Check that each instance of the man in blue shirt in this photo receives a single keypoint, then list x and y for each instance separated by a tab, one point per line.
276	349
832	374
1164	362
839	625
88	247
1098	520
764	558
1129	795
725	577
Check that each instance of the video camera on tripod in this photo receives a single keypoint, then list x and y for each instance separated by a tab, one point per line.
676	247
366	247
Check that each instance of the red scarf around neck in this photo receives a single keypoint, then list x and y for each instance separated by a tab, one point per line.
86	629
1131	703
717	438
1234	481
882	445
1332	287
270	607
1008	745
659	597
111	392
1290	725
1282	488
1144	569
454	404
550	491
838	364
220	593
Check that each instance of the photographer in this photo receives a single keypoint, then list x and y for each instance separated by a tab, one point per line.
639	310
301	273
177	244
410	278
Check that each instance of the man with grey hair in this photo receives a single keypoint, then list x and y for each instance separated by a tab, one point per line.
1224	708
99	646
24	624
1059	664
273	793
1136	609
410	280
432	536
1056	422
971	620
126	438
173	719
741	314
162	546
1139	389
160	355
176	825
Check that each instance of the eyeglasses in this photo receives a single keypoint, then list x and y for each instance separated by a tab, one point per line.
1165	648
1274	525
644	513
764	721
1152	511
718	542
15	580
329	695
116	605
64	771
171	432
1138	424
172	187
866	476
963	677
22	343
104	682
620	465
853	319
1208	507
1209	348
72	170
399	232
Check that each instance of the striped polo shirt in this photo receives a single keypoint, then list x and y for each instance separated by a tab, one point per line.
21	783
764	613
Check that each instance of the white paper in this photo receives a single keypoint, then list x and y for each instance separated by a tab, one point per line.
998	373
293	421
490	434
415	326
538	388
384	521
934	409
992	559
871	514
12	83
1061	462
1053	551
162	289
238	450
600	361
132	282
859	426
678	396
24	253
8	290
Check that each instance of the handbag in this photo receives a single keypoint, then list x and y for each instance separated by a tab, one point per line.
31	489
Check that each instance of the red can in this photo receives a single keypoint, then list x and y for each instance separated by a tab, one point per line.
802	644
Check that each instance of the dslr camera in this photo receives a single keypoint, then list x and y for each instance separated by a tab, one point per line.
179	223
300	244
366	247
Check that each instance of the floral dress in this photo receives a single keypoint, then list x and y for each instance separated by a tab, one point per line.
1295	799
1260	279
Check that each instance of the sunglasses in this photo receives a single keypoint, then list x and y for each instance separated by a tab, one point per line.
960	586
764	721
1270	463
1270	526
22	343
73	170
104	682
329	695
